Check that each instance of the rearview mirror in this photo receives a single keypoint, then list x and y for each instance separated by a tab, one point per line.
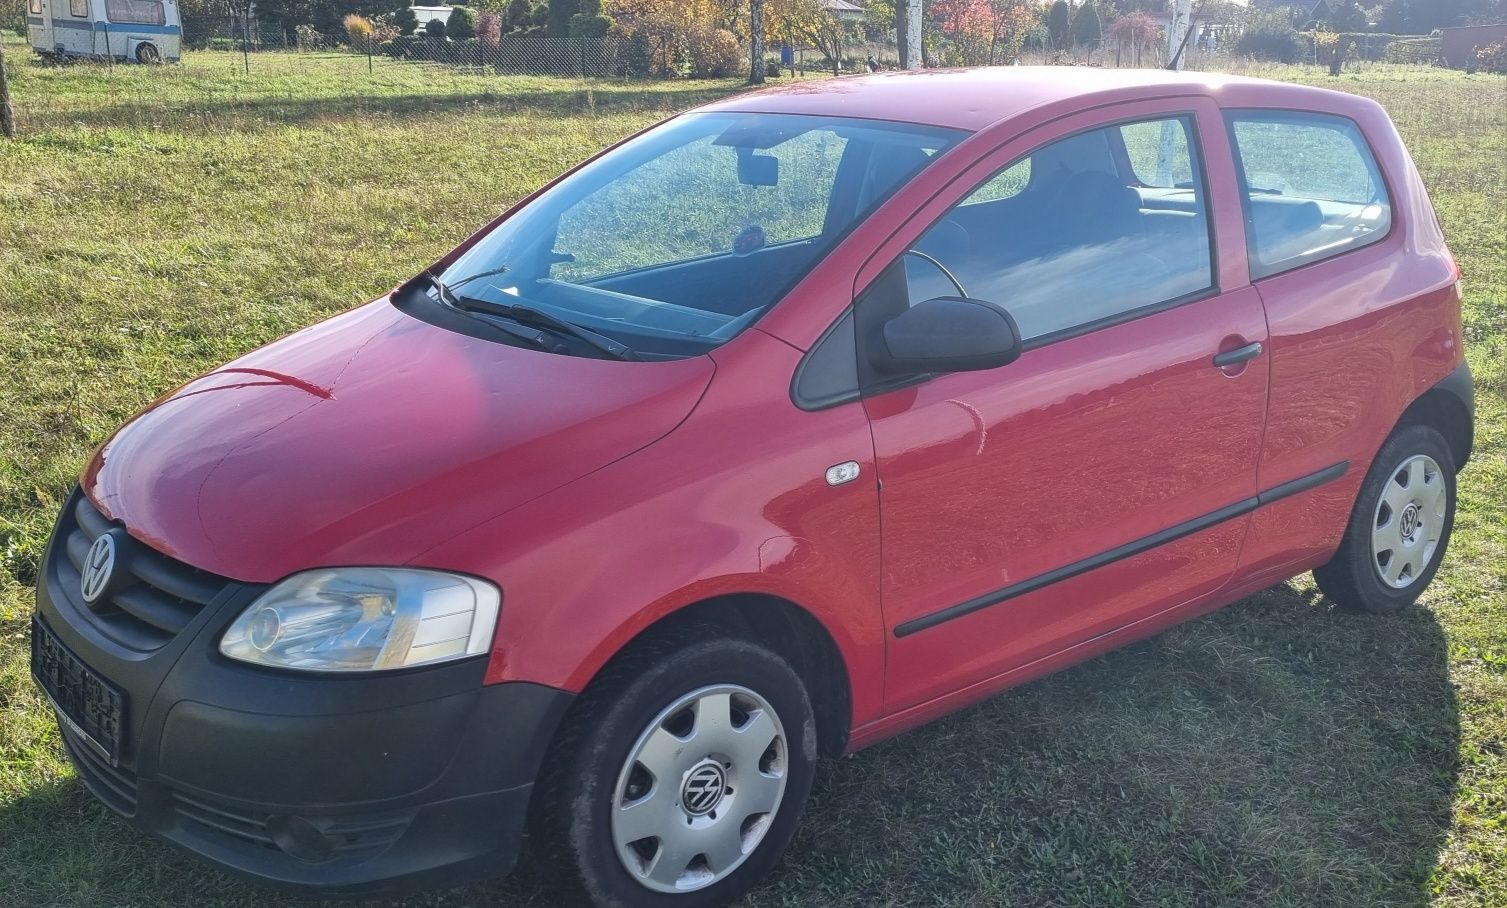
757	169
945	334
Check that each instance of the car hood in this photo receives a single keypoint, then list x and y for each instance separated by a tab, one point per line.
369	439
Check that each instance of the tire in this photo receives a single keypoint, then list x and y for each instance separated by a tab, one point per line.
147	54
656	706
1400	528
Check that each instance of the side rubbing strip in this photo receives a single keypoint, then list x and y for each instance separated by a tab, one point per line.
1129	549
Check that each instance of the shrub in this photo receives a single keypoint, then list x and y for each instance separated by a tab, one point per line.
584	27
557	20
635	52
359	30
714	52
519	14
1270	36
461	24
1492	58
405	19
307	37
402	47
435	28
489	31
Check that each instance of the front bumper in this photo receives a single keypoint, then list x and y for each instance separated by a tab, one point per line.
336	785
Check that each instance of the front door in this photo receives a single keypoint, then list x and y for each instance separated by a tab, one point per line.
1107	474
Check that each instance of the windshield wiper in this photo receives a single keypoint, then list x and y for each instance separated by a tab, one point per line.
533	318
534	336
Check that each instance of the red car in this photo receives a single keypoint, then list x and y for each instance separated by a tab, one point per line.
781	427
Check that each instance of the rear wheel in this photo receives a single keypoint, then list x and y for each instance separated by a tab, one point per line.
679	776
148	54
1400	527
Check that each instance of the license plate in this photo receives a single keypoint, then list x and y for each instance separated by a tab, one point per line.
87	704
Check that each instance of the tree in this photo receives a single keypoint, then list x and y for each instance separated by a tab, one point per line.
1088	29
7	117
1059	25
560	11
811	22
519	15
1419	17
435	28
461	24
1132	33
405	19
1346	16
756	42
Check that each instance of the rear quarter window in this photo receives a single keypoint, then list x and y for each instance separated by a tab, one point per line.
1310	186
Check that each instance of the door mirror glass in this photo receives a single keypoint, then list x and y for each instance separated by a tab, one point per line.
945	334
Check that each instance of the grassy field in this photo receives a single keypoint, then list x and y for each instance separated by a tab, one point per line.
155	223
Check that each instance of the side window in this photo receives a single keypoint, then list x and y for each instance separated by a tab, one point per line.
1007	184
1311	186
35	7
79	8
1091	228
135	12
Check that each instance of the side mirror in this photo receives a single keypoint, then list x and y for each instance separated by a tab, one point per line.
946	334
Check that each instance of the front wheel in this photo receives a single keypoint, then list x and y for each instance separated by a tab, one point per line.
679	776
1400	527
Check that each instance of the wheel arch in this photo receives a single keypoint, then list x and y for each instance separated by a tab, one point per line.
1449	408
790	630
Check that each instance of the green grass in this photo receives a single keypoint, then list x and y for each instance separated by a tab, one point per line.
155	223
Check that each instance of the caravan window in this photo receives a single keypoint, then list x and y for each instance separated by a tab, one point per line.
36	7
135	12
79	8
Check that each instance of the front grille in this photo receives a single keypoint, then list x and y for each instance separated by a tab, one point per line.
115	785
159	597
354	838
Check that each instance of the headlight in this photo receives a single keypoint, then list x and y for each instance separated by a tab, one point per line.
365	619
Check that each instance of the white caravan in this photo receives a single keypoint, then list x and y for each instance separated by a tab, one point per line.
134	31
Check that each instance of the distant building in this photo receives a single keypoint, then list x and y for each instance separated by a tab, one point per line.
424	13
1458	45
843	10
1306	10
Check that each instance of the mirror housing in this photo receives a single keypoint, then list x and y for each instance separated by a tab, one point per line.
945	334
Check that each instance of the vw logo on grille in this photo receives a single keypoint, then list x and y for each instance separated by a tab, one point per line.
99	564
703	789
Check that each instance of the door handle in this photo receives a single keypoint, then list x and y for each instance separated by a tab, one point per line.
1237	356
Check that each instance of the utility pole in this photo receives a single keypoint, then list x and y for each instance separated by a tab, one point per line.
1178	26
7	116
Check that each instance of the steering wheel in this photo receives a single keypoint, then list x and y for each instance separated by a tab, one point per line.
942	268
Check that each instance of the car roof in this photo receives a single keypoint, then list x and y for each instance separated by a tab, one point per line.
972	99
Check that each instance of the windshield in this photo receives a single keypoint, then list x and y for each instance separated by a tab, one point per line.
676	241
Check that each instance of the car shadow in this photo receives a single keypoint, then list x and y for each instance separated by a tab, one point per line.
1274	753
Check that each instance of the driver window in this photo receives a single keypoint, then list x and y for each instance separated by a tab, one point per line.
1093	227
